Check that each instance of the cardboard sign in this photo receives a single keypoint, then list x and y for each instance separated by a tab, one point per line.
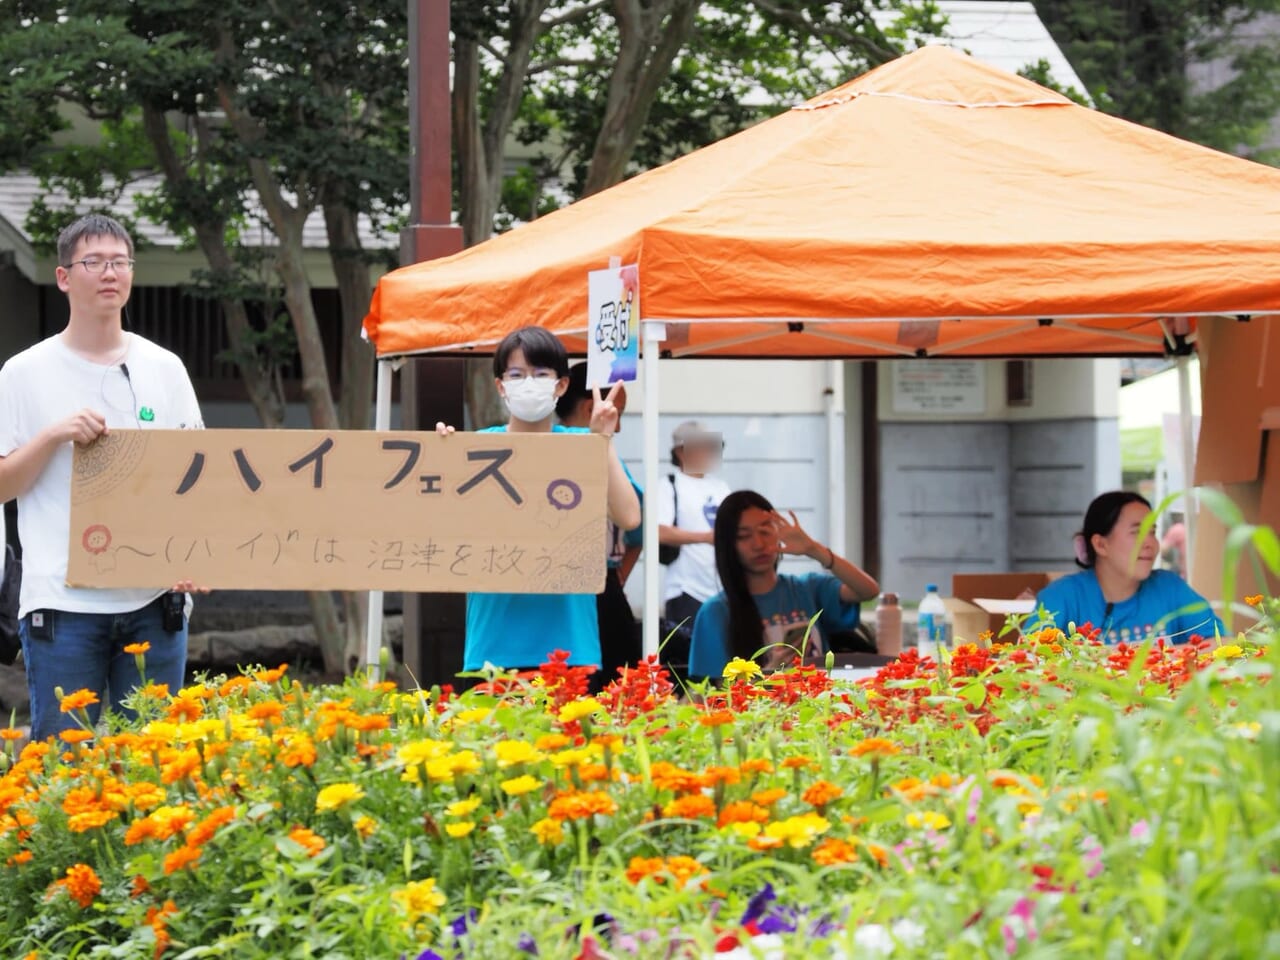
613	325
340	510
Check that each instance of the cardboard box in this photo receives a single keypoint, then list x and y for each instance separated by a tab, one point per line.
982	601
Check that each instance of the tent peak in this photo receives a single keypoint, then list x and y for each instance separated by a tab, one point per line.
939	74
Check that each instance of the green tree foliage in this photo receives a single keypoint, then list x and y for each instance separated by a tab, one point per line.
1138	59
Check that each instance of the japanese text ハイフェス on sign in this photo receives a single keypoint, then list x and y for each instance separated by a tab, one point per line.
340	510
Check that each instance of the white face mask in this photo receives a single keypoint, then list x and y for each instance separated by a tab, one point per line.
531	399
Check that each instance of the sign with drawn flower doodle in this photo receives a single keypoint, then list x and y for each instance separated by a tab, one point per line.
340	510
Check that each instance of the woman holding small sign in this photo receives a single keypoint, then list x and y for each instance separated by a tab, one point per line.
518	631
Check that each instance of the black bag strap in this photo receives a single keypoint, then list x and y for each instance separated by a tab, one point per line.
675	500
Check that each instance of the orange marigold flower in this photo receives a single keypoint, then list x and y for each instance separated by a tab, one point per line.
1255	600
667	776
78	700
90	820
756	765
299	752
185	763
75	735
140	886
878	853
366	723
822	793
183	856
203	831
21	857
719	718
581	805
235	685
271	676
154	691
157	919
691	806
875	747
311	841
743	811
82	883
798	763
725	775
266	712
767	798
552	741
684	869
9	733
184	707
641	867
834	850
763	842
137	649
593	773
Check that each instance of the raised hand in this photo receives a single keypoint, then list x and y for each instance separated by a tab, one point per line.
604	415
793	538
443	429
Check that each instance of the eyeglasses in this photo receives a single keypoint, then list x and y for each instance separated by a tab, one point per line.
516	374
94	265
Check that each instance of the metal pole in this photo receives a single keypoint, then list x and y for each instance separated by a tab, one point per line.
381	421
653	335
1188	460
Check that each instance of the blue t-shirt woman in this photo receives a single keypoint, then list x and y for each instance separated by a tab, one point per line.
761	612
1117	591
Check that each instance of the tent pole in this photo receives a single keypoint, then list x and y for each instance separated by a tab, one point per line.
1188	460
381	421
654	334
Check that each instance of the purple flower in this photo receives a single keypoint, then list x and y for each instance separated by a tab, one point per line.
429	954
462	923
758	904
526	944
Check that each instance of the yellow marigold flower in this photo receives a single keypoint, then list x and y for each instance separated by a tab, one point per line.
82	883
137	649
474	715
929	819
419	899
78	700
748	830
460	764
737	667
690	807
309	840
459	830
1228	651
577	709
518	786
821	793
571	758
336	796
365	826
511	753
875	747
75	735
463	808
548	831
420	751
798	831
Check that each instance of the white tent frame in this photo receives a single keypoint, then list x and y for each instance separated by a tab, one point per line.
654	334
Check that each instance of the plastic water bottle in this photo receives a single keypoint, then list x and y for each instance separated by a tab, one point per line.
931	622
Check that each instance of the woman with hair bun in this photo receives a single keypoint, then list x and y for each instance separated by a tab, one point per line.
1117	591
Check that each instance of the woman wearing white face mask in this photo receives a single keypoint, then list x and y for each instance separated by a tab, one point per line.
519	631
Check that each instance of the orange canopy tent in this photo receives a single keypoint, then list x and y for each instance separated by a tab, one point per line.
931	189
932	207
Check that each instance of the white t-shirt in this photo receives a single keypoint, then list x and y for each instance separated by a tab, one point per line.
47	383
694	571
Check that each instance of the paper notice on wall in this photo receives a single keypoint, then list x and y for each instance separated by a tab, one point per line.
613	322
340	510
939	386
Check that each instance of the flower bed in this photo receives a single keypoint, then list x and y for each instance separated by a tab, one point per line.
1046	798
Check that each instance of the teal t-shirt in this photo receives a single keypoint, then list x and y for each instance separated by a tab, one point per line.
522	629
1164	606
785	612
619	539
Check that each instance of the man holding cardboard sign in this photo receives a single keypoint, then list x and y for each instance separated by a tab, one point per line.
71	389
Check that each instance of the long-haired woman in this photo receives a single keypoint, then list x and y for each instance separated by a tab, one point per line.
761	612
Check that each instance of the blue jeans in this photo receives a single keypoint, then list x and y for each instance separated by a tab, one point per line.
85	651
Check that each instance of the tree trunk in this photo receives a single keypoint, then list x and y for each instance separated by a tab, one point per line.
649	41
261	377
478	202
355	290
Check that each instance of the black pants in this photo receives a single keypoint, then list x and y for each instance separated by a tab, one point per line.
619	633
677	633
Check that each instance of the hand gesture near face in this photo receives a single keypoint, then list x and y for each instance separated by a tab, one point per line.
604	415
793	538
